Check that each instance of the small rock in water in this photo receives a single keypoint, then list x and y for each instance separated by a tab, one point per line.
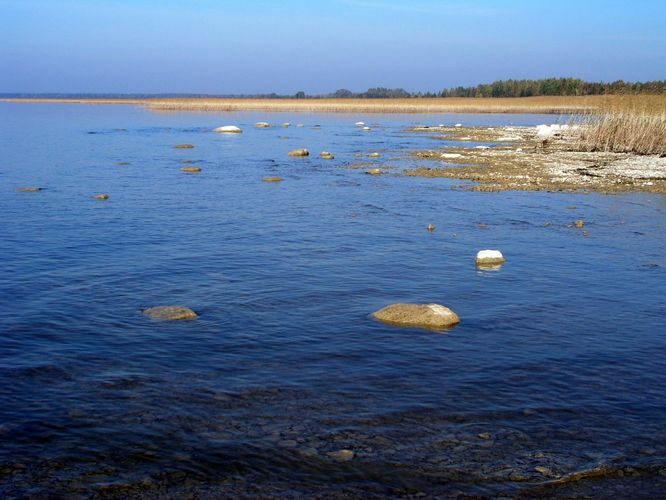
430	228
373	155
579	223
299	125
122	163
489	258
228	129
170	313
326	155
102	196
262	125
272	179
299	152
30	189
191	170
366	129
374	171
183	146
286	125
359	124
458	125
341	455
432	316
484	435
543	470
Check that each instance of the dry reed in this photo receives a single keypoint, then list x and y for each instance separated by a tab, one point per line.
546	105
625	126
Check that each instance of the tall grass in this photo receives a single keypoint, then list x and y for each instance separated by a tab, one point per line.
625	126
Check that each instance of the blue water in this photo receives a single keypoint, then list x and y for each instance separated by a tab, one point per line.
559	360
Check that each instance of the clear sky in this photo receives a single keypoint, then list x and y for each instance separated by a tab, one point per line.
245	46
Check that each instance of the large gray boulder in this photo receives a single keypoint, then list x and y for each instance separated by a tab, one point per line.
431	316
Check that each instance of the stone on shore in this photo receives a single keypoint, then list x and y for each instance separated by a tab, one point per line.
228	129
326	155
272	179
262	125
489	258
183	146
191	170
299	152
29	189
431	316
170	313
102	196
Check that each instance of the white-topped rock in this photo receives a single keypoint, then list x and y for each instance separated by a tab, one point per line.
366	129
432	316
359	124
228	129
451	155
458	125
262	125
489	258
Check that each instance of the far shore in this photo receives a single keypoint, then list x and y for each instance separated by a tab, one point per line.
541	105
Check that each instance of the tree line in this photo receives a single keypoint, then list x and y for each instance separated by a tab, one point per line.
510	88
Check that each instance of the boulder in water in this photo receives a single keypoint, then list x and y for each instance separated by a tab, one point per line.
191	170
29	189
102	196
374	171
272	179
170	313
431	316
299	152
490	258
326	155
183	146
228	129
262	125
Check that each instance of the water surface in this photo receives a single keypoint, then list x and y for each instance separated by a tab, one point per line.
559	361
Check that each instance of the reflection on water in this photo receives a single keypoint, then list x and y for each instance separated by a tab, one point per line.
552	384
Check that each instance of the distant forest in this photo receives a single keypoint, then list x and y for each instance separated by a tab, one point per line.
500	88
519	88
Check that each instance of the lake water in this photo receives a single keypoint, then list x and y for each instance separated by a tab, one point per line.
559	361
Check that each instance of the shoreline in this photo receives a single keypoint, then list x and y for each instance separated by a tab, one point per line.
517	159
505	105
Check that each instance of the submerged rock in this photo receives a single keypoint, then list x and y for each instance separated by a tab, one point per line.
341	455
29	189
299	152
228	129
183	146
170	313
272	179
579	223
489	258
433	316
326	155
102	196
191	170
262	125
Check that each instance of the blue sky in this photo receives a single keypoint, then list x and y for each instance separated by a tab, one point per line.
221	46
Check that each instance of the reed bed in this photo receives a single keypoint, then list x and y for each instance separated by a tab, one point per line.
625	126
545	105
